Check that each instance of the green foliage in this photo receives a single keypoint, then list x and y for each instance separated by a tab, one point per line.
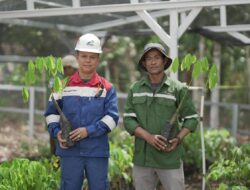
51	66
199	67
175	65
232	170
25	174
45	174
188	61
217	143
192	148
25	93
213	76
120	162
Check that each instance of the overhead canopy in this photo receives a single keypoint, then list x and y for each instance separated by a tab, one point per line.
122	17
82	16
221	37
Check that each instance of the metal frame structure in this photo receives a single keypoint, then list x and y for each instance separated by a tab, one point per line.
184	11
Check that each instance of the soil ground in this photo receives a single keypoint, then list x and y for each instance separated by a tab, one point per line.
14	142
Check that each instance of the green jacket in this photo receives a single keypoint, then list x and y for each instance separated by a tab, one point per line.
151	111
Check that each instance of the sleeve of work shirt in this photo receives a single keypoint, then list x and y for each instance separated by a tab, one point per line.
129	116
188	114
52	116
110	119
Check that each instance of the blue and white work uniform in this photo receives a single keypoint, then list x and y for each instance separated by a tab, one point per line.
99	115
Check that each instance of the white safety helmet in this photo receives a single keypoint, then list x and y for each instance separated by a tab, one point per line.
70	60
89	43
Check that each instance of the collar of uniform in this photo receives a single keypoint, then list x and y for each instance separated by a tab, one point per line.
167	80
145	81
94	81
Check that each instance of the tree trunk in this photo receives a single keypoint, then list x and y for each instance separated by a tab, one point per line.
215	94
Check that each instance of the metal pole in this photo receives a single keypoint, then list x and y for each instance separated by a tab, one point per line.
202	139
31	111
76	3
174	38
235	112
201	132
30	4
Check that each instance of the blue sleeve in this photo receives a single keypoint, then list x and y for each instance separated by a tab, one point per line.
53	118
110	118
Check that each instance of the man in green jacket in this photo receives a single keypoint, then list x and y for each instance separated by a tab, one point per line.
151	103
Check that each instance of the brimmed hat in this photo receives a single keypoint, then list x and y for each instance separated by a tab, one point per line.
70	60
160	48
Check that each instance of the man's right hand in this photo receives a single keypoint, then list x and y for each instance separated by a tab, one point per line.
61	140
157	141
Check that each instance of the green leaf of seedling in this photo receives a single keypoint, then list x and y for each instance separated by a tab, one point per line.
187	62
194	58
31	66
222	186
27	79
39	64
183	64
51	62
175	65
59	65
31	76
44	63
58	84
25	94
213	76
204	64
54	72
65	82
51	65
197	70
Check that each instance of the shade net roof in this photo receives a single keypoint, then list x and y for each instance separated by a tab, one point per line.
127	23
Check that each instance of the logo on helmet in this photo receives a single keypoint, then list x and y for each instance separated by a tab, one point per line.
90	43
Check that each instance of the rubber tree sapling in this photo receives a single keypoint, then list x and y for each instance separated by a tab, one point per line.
54	69
198	67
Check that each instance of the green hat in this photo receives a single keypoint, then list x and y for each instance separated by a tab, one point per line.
158	47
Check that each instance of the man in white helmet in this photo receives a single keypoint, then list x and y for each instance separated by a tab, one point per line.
70	65
90	103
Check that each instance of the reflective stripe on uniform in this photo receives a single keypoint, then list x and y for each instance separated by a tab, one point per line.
167	96
191	116
129	115
52	118
109	121
83	91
